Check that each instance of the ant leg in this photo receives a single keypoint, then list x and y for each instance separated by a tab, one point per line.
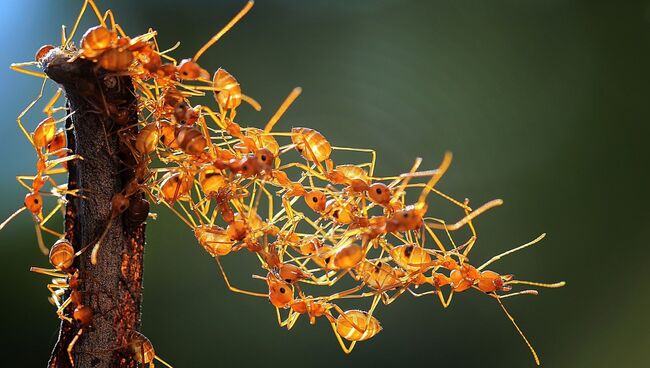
405	180
441	194
59	311
48	272
20	68
293	321
521	333
21	180
206	133
72	344
50	164
374	304
499	256
445	303
50	231
435	238
213	115
39	238
48	108
418	295
191	225
325	279
399	292
49	216
234	289
270	201
348	293
346	349
114	26
12	216
27	108
305	168
81	13
98	14
156	357
452	227
289	321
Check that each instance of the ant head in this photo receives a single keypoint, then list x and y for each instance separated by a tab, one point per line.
83	314
119	204
265	159
379	193
316	200
247	166
280	292
190	70
490	281
44	50
34	203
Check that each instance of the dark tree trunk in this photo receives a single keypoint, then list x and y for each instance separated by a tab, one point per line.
103	107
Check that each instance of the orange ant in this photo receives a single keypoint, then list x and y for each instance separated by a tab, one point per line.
62	256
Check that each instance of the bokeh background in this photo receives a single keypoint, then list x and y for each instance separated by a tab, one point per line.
545	104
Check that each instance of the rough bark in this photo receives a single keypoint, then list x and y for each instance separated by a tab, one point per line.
103	107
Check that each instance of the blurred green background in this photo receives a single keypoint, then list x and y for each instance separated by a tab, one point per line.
545	104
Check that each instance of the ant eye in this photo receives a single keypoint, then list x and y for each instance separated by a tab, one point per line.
408	250
327	260
336	214
282	290
263	157
378	190
36	201
287	280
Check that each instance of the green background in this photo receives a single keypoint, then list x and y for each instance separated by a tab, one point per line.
543	103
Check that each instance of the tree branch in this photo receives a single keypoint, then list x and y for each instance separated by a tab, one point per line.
102	106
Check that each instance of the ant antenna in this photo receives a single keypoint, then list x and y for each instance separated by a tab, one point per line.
225	29
282	109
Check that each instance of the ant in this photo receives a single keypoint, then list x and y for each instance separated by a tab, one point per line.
66	277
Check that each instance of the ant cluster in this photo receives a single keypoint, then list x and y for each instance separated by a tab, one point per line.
279	196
